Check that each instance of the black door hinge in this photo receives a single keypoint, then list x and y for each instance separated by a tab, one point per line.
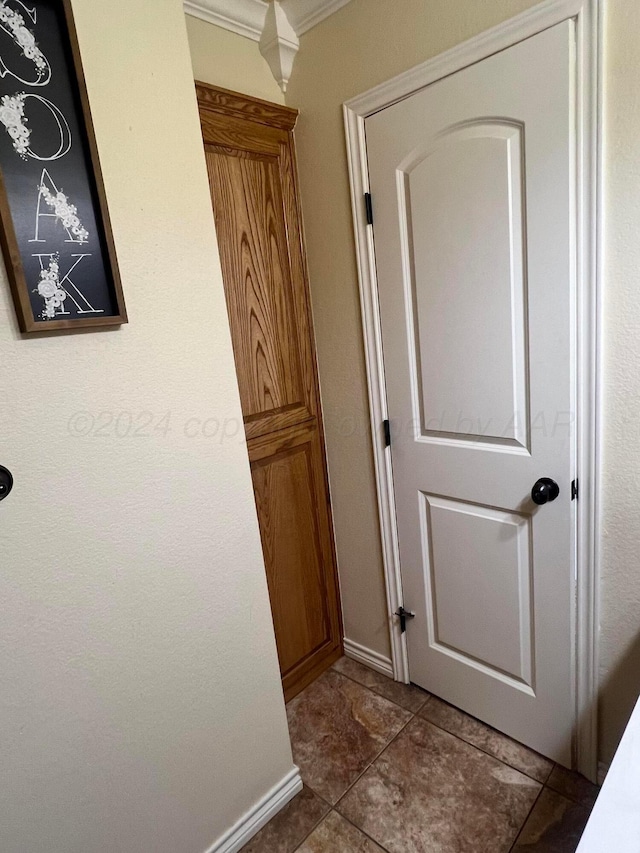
386	426
368	206
403	615
574	490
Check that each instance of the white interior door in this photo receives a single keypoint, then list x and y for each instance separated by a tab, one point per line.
471	180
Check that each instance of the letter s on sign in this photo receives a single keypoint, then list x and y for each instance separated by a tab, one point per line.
14	26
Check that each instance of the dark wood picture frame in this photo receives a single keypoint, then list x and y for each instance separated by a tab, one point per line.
28	321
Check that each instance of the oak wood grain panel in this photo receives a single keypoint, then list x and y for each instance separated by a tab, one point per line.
254	254
295	527
286	499
226	102
299	273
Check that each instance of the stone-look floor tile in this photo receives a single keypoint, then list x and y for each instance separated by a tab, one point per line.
406	695
289	827
573	785
554	826
336	835
337	728
431	791
489	740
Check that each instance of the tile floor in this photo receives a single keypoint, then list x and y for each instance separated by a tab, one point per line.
387	767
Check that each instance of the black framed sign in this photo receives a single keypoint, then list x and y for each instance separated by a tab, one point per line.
55	231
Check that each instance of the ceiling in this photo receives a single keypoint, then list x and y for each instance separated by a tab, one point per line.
275	24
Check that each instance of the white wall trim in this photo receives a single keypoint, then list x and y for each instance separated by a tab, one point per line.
374	660
252	821
243	17
305	14
588	16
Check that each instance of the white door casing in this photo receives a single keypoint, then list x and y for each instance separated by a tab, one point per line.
465	414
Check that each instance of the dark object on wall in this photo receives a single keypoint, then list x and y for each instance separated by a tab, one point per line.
6	482
55	234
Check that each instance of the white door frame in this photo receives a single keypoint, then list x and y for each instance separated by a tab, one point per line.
587	353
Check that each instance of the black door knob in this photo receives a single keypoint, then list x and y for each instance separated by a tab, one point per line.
6	482
544	491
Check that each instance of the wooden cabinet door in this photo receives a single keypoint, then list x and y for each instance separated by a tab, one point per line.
251	163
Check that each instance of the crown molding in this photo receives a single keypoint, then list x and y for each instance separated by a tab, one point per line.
247	17
243	17
305	14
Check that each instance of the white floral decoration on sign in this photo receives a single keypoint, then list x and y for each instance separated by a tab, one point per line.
50	289
65	212
13	118
14	24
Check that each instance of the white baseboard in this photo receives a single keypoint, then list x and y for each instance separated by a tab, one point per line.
374	660
260	814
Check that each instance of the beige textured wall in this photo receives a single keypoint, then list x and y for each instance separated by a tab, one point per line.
140	707
225	59
620	589
365	43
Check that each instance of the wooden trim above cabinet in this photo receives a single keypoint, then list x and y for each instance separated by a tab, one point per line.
228	103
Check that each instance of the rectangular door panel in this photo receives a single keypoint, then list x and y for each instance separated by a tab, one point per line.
254	252
462	199
294	526
478	563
